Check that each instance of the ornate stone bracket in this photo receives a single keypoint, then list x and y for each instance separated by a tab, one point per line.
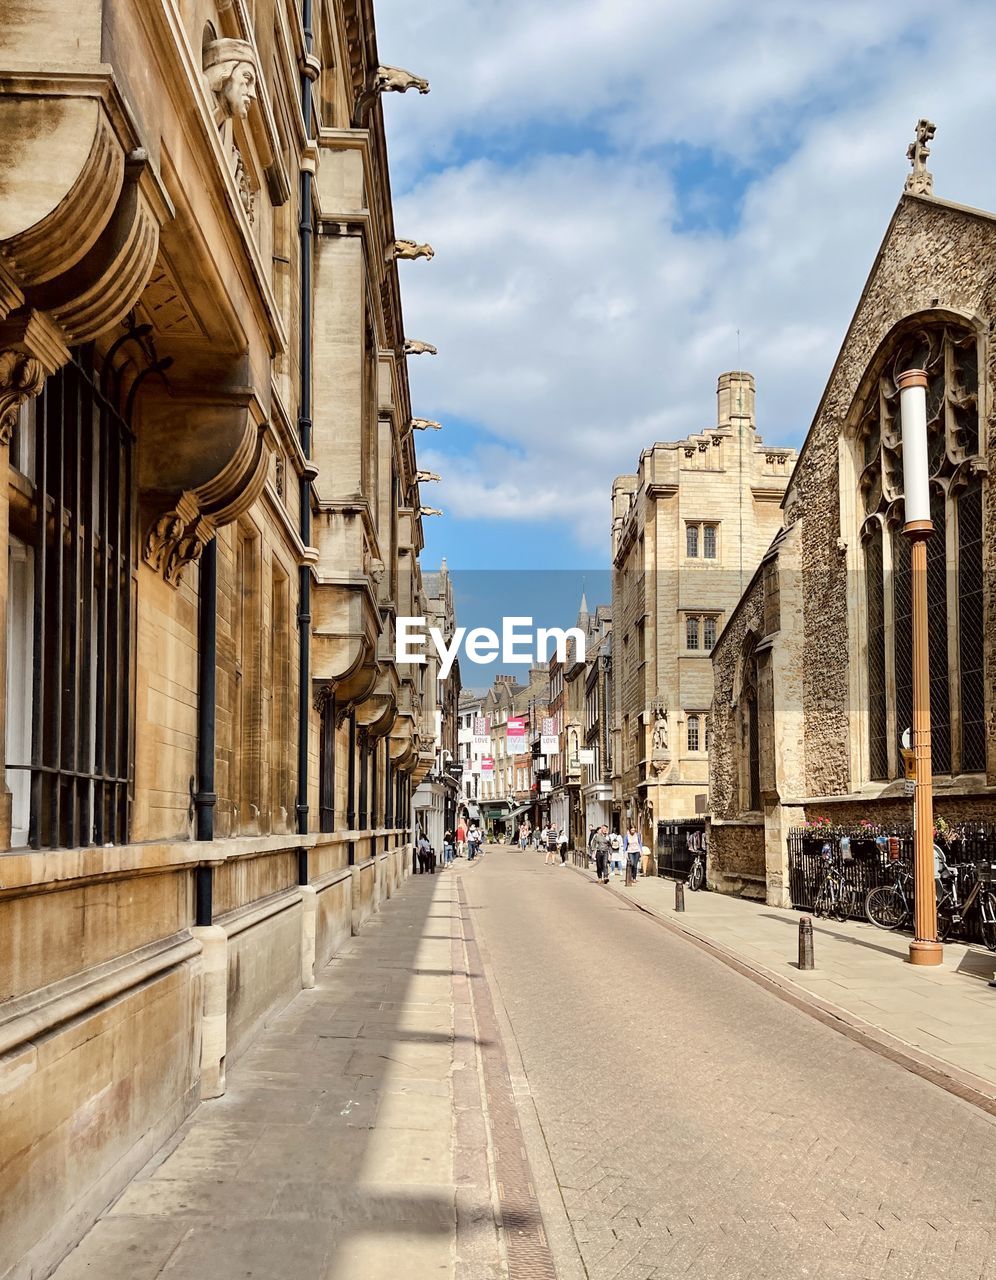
21	377
204	459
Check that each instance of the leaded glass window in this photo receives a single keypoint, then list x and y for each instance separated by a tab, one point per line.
693	733
948	352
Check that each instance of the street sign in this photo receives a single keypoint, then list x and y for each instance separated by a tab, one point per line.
909	786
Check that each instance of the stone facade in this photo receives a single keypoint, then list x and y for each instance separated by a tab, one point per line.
815	644
208	778
688	530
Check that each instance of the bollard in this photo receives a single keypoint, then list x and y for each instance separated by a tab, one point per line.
679	896
806	957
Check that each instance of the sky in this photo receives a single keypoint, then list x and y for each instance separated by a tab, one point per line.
627	198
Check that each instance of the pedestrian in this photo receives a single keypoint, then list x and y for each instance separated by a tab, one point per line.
616	854
632	848
448	849
600	845
550	837
461	839
523	834
474	839
423	853
562	846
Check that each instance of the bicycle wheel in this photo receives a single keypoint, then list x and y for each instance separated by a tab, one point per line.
696	876
885	907
987	911
945	919
823	902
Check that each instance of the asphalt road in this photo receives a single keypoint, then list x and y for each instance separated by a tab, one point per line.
700	1127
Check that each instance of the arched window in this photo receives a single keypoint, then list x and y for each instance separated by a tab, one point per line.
750	728
949	353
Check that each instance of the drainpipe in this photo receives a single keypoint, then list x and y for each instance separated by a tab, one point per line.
207	666
351	775
304	432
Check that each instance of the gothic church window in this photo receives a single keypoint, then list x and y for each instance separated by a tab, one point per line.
948	352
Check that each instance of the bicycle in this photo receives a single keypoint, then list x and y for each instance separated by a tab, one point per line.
833	897
890	906
952	913
696	874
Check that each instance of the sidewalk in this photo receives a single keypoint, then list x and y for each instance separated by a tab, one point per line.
351	1143
940	1021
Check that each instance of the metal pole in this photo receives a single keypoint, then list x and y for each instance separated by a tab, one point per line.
925	948
207	666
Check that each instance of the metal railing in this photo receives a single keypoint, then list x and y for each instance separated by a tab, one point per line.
677	845
867	857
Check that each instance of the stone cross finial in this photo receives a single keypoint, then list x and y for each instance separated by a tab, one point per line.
426	424
409	250
921	181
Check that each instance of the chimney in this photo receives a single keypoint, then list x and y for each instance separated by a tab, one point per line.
735	400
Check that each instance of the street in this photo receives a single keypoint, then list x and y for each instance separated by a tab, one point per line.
700	1127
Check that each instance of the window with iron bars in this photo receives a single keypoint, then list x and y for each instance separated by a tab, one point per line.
71	614
949	354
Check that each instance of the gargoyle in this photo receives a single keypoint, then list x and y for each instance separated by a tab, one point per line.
415	348
426	424
429	511
408	251
387	80
426	475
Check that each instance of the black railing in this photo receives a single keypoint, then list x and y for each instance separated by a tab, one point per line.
867	857
677	845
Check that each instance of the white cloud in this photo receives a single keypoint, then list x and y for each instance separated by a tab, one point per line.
576	316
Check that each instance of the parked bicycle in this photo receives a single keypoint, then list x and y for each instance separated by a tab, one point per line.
696	874
890	906
953	912
834	897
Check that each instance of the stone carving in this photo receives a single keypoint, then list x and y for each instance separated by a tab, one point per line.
377	569
398	80
921	181
246	193
413	347
409	250
230	67
21	377
387	80
171	545
429	511
278	475
426	424
426	475
660	728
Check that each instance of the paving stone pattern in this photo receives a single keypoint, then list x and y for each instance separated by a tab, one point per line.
350	1143
700	1127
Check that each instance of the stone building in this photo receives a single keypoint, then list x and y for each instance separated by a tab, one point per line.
813	667
596	773
435	799
211	518
688	530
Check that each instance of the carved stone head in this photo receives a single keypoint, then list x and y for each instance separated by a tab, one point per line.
230	67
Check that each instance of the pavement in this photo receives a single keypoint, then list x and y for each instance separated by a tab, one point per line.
940	1020
512	1074
352	1135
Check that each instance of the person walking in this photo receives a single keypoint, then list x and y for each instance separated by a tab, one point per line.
523	835
550	836
461	839
600	846
616	858
632	848
562	846
448	849
474	840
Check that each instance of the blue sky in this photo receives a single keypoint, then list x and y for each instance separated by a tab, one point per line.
625	194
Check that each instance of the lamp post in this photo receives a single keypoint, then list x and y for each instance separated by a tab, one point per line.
912	384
